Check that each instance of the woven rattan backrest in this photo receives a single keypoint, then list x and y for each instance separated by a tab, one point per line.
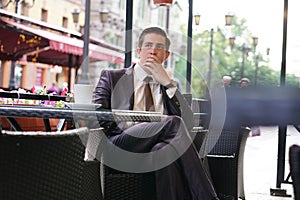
41	165
228	142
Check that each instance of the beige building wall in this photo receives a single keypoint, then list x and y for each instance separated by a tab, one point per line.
114	30
56	12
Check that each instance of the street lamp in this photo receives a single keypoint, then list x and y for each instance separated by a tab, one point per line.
75	16
268	51
231	41
255	42
189	48
197	19
85	58
86	41
228	22
103	13
228	19
245	51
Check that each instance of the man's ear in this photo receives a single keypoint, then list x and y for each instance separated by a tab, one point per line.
138	51
167	55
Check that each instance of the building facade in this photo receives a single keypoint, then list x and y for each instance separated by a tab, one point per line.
109	31
29	74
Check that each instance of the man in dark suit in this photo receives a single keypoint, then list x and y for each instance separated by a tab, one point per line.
165	146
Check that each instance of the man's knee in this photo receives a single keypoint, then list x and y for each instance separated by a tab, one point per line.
158	146
174	120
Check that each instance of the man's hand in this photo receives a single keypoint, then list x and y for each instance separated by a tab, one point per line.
155	68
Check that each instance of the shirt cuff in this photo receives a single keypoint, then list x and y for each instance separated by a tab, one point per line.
171	92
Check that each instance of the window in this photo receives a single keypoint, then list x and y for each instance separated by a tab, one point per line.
65	22
81	29
25	9
44	16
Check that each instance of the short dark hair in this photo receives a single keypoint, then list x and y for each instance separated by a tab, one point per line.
155	30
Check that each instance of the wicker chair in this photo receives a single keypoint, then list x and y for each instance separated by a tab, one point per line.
42	165
225	161
118	185
201	109
294	160
92	182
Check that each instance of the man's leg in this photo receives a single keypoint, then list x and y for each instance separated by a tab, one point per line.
189	162
172	136
170	183
200	185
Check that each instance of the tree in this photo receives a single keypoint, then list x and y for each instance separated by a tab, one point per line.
227	60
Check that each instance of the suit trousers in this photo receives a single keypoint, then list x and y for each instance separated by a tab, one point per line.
169	151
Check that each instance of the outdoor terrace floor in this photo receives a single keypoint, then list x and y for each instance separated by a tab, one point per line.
260	163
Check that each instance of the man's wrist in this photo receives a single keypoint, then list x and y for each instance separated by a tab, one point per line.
172	84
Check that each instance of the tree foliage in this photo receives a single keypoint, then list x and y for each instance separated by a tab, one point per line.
228	60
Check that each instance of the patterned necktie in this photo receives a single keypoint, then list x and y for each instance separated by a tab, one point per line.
149	105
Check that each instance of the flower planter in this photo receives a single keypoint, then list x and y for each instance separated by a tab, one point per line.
30	124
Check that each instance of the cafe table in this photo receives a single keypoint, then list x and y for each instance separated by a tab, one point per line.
88	112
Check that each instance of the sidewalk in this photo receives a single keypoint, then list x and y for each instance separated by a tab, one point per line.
260	163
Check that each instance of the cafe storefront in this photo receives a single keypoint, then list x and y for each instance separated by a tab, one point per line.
43	54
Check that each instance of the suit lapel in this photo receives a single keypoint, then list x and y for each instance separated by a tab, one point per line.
123	92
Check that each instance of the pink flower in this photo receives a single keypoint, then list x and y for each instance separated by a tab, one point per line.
32	89
64	92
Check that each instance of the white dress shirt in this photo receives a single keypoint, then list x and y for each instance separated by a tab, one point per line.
139	98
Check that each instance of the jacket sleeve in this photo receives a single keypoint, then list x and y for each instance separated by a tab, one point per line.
179	106
102	95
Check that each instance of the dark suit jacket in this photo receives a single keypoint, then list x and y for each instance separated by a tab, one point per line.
115	90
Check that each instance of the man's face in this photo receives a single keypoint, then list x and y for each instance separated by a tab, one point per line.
244	84
226	81
153	49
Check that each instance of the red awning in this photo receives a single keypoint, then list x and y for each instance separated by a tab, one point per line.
14	42
47	47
